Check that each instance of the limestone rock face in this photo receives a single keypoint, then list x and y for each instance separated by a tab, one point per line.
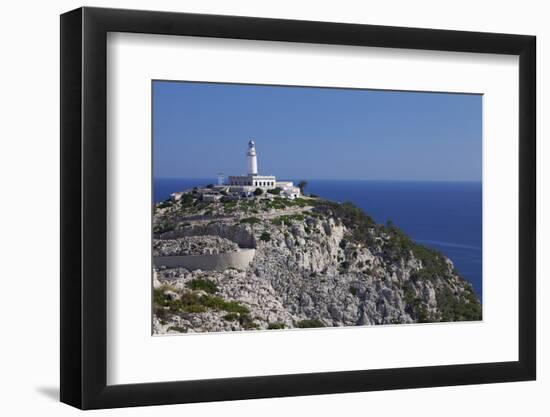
321	265
193	245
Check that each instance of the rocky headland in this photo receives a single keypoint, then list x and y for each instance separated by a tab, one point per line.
317	263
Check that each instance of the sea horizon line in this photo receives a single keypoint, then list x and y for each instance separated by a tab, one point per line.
284	178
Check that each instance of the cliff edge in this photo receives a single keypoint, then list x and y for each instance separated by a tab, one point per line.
317	263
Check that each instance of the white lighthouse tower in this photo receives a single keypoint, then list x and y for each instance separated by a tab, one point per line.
252	160
247	184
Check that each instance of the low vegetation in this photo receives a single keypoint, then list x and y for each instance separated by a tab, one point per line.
453	308
164	204
305	324
400	246
288	219
250	220
395	247
191	302
178	329
275	191
231	317
389	248
415	307
351	216
203	284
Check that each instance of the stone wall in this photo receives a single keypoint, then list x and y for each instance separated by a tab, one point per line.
238	233
238	260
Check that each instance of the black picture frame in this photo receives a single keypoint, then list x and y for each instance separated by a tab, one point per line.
84	207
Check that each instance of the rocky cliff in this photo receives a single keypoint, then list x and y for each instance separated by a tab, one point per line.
317	263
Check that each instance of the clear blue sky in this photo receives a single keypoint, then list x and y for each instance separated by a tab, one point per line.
200	129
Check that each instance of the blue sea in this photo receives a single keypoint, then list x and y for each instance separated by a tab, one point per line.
446	216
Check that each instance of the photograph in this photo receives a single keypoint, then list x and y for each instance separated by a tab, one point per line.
275	209
291	207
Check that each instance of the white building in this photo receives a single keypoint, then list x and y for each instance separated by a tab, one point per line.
288	189
252	179
248	183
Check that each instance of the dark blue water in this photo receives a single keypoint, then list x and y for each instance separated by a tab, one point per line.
445	216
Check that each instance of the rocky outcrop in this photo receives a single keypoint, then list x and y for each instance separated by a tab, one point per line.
242	236
194	245
321	264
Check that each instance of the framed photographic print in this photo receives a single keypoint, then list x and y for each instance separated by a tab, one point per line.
277	208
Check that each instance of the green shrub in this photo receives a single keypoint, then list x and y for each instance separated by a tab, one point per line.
231	317
400	246
276	326
250	220
234	307
164	227
194	308
414	306
351	216
463	307
247	322
304	324
218	303
158	297
203	284
187	200
258	192
275	191
178	329
164	204
265	236
191	302
300	202
188	302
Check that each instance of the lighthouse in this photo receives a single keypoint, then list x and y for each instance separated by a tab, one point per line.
252	160
245	185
